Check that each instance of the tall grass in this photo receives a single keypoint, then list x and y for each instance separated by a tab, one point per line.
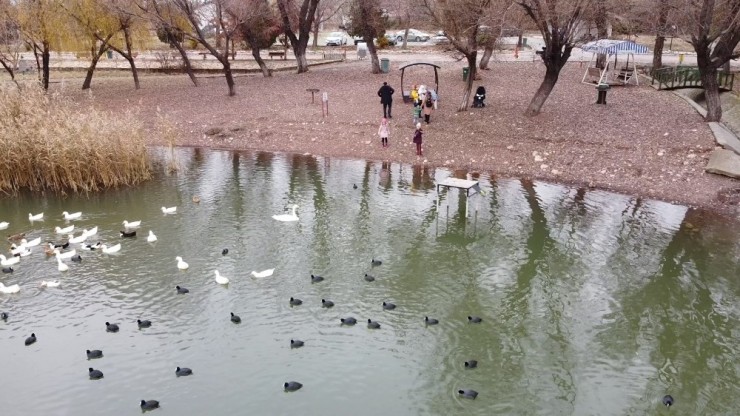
48	144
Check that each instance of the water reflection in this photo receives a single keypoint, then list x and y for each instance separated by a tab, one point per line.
592	303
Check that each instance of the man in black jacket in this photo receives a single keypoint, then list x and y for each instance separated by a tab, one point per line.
386	98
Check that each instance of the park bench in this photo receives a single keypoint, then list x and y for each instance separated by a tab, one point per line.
272	54
335	56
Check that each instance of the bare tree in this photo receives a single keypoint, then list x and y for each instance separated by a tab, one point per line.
496	17
197	13
368	21
259	26
715	34
10	40
600	15
171	26
558	21
298	19
96	26
326	10
43	27
461	20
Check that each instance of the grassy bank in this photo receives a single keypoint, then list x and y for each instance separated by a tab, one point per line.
48	144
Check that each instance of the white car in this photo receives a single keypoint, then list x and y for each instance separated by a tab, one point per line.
336	39
414	35
439	38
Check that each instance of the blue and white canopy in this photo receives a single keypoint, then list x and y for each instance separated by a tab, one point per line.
614	47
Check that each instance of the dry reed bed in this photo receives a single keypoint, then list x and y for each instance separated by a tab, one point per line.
48	144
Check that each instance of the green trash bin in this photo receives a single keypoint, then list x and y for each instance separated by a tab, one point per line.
524	41
385	65
110	54
466	70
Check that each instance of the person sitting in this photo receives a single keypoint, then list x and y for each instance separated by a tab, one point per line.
480	97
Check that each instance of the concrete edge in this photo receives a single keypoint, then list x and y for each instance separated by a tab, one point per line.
714	127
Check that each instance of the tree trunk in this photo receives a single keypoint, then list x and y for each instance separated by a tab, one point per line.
227	72
660	35
45	66
265	70
130	58
487	53
8	69
300	56
471	57
373	55
658	52
551	77
711	91
91	70
600	19
186	62
95	58
316	34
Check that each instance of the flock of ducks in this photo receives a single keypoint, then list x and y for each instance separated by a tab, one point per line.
24	247
21	247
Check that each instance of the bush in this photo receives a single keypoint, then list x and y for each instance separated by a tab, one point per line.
383	42
50	146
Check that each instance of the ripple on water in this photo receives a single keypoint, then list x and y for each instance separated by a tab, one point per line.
579	313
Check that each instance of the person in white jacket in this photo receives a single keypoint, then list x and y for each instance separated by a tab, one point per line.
384	131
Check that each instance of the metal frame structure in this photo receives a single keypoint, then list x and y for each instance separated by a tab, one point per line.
407	94
611	74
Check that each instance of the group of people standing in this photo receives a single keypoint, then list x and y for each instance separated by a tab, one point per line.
424	103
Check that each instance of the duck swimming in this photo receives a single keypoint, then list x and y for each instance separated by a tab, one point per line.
181	264
287	217
132	224
73	216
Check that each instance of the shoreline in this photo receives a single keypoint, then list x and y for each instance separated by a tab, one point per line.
625	147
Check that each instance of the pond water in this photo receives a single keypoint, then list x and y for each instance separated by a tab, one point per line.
592	302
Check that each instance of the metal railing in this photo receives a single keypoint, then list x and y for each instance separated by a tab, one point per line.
670	78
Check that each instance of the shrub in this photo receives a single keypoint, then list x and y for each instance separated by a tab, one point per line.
49	145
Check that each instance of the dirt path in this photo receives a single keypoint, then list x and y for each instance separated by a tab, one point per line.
644	142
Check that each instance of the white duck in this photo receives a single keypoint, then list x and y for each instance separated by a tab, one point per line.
60	265
32	243
37	217
151	237
9	289
170	210
4	225
91	232
132	224
65	230
66	254
17	250
222	280
9	262
53	283
72	216
181	264
23	251
77	240
112	249
263	273
287	217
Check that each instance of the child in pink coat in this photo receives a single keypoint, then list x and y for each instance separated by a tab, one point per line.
384	131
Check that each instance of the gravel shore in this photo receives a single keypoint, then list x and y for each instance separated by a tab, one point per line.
644	142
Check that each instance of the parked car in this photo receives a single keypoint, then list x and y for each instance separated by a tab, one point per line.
439	39
336	39
391	39
414	35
